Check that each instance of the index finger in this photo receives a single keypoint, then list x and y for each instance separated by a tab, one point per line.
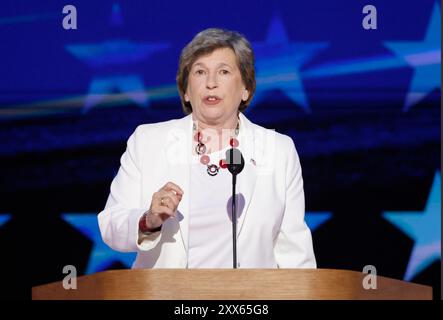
172	186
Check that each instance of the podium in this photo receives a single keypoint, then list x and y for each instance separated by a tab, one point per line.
230	284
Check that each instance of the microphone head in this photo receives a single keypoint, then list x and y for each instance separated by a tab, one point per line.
235	161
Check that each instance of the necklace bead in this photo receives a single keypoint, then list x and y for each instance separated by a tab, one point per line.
200	148
222	163
233	142
212	170
197	136
204	159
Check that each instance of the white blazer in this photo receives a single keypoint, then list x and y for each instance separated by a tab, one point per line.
271	232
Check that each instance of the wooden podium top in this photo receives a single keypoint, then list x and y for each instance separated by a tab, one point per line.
229	284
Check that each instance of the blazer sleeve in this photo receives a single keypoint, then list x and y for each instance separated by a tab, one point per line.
118	222
293	247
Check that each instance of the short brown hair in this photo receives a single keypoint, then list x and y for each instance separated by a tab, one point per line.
206	42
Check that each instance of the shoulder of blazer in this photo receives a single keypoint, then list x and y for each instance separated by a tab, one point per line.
152	136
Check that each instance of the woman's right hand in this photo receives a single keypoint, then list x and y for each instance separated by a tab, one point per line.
164	205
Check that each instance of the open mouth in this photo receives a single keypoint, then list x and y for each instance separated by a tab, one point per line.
211	100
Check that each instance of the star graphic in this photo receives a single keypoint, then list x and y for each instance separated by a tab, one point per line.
316	219
101	256
115	52
278	63
424	229
4	218
425	57
130	86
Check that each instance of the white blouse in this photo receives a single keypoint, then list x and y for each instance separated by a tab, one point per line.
210	227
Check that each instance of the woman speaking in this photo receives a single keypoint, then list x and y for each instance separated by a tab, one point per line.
171	200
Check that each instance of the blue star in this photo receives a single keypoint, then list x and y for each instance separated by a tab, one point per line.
101	256
131	86
425	57
278	63
4	218
316	219
424	229
115	52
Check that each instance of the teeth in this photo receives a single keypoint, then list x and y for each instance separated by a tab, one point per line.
211	99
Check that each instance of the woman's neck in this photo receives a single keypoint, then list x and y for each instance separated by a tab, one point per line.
217	136
218	128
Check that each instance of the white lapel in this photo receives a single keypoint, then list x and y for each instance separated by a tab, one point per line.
247	178
179	159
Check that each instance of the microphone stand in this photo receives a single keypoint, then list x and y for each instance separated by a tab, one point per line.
235	167
234	223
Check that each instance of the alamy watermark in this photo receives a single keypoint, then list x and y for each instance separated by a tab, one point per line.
70	19
370	280
369	21
70	281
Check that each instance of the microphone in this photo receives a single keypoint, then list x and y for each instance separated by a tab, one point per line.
236	163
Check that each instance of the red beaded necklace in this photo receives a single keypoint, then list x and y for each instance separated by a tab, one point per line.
200	149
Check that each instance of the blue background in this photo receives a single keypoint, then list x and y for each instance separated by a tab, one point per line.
363	108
